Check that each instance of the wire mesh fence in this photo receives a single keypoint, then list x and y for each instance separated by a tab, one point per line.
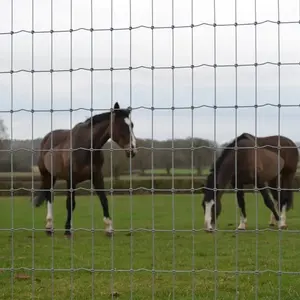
170	84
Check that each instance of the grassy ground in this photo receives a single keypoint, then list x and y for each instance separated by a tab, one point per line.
227	264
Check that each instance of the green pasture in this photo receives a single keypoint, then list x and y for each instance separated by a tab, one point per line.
147	264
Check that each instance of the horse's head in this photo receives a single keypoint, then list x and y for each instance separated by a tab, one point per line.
122	131
211	203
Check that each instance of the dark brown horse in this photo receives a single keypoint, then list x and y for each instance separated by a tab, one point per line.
268	169
72	155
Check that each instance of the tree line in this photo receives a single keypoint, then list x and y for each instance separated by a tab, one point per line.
21	155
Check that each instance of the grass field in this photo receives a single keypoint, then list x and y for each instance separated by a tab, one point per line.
257	255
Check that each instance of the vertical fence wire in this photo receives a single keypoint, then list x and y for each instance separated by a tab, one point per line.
173	158
11	149
32	153
70	187
152	152
255	154
278	150
192	151
235	187
215	149
51	142
92	152
111	144
130	158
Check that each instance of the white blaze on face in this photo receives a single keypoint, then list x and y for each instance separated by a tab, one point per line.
207	215
132	137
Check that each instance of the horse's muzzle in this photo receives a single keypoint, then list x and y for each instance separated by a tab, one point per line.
131	152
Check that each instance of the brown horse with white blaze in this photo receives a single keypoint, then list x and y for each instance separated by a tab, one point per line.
75	156
264	168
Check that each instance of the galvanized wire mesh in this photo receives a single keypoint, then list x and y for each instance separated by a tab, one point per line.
190	105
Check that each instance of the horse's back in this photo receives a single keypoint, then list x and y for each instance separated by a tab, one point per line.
288	148
258	162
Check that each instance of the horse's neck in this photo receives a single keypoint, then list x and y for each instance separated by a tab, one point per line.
226	170
100	135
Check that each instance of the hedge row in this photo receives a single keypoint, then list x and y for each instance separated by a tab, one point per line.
19	176
158	186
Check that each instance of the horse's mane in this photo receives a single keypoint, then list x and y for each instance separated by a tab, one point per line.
224	154
96	119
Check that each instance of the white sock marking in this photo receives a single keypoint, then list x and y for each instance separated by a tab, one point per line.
49	217
282	221
243	222
207	215
108	224
133	139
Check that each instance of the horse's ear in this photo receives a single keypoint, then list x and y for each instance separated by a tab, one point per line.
116	106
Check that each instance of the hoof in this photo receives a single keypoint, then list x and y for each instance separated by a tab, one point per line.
49	232
271	224
209	230
283	227
68	234
241	229
109	233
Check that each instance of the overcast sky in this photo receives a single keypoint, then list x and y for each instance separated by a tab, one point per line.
113	49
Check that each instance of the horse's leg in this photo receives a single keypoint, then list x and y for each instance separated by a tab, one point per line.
273	184
49	217
47	182
70	206
286	201
241	203
243	217
98	183
268	201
